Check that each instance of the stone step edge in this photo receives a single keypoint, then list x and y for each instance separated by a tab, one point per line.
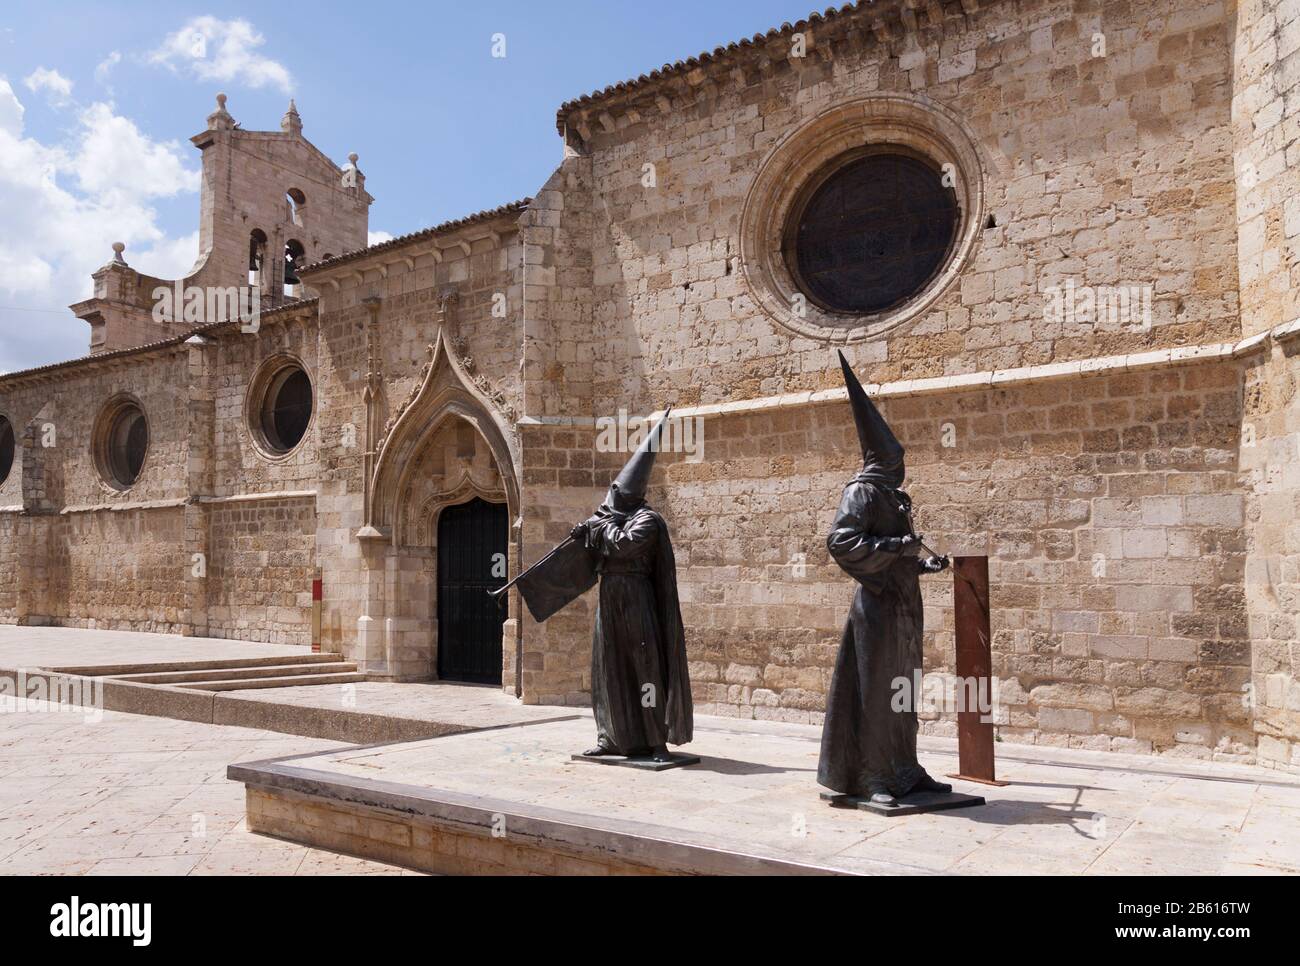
240	673
656	848
210	664
984	379
257	684
227	708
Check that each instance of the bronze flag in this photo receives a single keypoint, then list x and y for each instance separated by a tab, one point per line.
554	583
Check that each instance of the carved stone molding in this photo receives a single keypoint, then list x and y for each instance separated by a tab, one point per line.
461	490
445	392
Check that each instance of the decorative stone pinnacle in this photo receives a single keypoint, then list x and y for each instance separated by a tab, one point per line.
291	123
220	119
118	249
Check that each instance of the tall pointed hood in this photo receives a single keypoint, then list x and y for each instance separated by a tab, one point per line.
633	479
882	453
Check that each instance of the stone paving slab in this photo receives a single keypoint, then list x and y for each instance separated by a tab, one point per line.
755	794
136	795
56	647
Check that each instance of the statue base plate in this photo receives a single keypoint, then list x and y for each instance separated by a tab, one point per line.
913	804
645	764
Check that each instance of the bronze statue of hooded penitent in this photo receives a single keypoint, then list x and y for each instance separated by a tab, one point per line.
640	688
868	747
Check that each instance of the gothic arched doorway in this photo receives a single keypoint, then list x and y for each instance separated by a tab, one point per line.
472	543
447	446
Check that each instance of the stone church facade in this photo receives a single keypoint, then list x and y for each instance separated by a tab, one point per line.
1088	347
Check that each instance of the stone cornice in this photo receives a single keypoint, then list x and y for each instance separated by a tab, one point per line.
176	503
256	497
123	507
987	379
666	90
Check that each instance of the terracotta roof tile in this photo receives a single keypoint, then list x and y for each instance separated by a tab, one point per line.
690	63
276	306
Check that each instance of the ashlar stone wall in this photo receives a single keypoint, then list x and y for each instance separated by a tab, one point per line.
1109	504
1111	170
459	290
187	548
1266	125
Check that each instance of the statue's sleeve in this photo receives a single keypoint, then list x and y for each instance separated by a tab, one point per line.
851	542
623	540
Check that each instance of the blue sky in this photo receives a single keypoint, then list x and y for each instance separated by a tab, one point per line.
97	103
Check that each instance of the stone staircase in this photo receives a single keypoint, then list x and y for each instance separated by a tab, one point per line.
237	674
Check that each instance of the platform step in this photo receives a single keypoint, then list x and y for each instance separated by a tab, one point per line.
240	674
211	664
297	681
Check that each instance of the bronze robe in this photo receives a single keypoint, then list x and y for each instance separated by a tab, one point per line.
867	745
640	687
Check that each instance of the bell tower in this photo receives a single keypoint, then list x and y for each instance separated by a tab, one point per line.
270	203
271	200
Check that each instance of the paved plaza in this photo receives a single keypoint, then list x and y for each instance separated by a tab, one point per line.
138	795
143	795
114	792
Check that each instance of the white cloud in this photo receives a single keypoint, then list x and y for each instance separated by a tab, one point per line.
222	50
105	67
62	206
11	110
377	237
170	257
57	87
117	161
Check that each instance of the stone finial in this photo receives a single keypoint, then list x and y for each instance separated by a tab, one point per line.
118	249
291	123
220	119
352	176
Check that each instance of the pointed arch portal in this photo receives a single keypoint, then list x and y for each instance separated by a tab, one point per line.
445	393
444	495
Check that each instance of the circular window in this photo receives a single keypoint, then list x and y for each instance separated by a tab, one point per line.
286	408
121	443
873	232
862	219
6	448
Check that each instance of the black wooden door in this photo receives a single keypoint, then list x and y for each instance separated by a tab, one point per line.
471	561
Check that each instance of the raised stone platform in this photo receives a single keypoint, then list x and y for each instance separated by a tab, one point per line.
171	676
512	800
